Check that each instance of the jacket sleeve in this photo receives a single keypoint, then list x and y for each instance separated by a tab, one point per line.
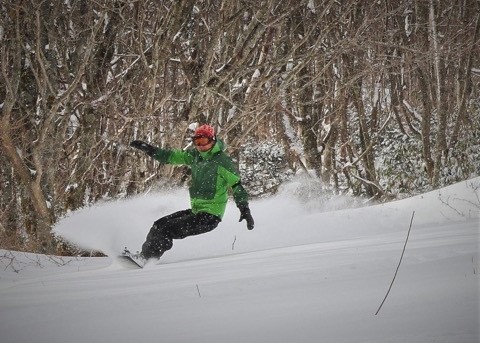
240	194
176	157
232	177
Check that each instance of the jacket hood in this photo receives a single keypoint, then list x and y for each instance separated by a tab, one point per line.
218	147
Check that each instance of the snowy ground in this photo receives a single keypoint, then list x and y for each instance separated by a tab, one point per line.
308	272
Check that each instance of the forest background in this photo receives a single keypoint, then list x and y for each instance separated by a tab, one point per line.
375	99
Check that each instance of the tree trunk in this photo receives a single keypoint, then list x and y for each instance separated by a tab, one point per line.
441	145
426	125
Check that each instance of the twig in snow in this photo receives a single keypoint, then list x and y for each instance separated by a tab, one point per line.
398	267
233	244
198	290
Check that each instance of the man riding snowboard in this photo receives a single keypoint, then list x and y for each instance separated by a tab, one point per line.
213	173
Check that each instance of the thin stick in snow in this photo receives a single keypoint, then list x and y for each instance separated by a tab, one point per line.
233	244
398	267
198	290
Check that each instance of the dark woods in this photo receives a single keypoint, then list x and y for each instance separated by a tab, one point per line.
356	92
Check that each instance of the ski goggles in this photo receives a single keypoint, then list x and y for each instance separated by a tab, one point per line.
202	140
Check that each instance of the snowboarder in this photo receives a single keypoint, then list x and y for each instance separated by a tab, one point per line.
213	173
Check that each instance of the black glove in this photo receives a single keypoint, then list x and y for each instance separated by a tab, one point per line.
245	214
145	147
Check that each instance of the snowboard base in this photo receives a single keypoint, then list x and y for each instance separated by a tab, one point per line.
132	259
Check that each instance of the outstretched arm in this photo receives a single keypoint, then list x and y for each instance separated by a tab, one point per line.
145	147
162	155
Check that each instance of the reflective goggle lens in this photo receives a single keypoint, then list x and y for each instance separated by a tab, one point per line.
201	140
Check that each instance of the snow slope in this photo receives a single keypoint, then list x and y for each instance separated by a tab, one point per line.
308	272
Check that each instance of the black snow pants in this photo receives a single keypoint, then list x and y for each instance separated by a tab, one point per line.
177	225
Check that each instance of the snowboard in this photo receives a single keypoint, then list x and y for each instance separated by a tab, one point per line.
134	260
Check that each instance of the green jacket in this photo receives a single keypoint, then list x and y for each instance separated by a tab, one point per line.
213	173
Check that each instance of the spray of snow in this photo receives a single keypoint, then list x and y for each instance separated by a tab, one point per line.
298	214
